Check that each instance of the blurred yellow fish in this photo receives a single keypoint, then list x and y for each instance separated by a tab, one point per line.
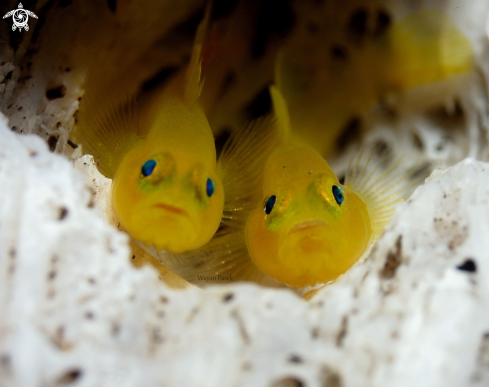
300	226
344	58
166	191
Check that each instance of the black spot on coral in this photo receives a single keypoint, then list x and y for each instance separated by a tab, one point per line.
289	381
276	18
5	359
56	92
382	23
260	106
394	259
228	81
340	337
52	141
421	171
159	79
468	265
112	4
52	275
72	144
65	3
357	25
312	27
339	52
351	132
221	139
223	8
330	378
383	149
293	358
63	212
417	141
70	376
483	356
228	297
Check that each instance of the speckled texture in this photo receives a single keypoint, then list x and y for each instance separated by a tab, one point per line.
75	311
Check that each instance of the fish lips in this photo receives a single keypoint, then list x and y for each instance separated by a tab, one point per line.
306	244
167	225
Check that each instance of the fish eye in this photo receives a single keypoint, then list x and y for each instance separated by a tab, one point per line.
148	167
338	194
210	187
270	202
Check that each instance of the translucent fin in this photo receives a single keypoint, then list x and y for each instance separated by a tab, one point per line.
382	183
224	259
105	129
193	83
281	111
240	168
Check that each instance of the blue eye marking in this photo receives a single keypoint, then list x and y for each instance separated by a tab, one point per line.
148	168
210	187
269	204
338	194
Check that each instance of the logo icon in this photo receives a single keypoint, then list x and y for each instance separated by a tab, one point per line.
20	16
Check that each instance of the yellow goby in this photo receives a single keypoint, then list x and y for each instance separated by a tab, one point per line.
309	228
166	191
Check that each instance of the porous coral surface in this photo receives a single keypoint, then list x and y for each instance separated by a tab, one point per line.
75	312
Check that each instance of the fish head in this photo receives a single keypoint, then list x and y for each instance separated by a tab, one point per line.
309	228
168	199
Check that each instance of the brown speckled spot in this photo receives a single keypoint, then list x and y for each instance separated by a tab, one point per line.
56	92
394	259
52	141
70	377
383	22
290	381
357	25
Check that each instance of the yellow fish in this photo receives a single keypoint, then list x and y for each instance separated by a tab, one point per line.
344	58
301	226
166	191
310	228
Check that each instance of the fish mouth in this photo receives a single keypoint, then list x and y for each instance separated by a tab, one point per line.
307	225
172	209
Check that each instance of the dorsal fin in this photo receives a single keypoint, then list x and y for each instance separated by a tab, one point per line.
193	83
240	168
281	112
105	129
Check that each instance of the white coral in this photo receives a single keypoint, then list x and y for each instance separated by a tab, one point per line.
74	310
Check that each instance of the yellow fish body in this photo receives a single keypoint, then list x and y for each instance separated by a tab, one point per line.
310	228
296	222
166	191
351	56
